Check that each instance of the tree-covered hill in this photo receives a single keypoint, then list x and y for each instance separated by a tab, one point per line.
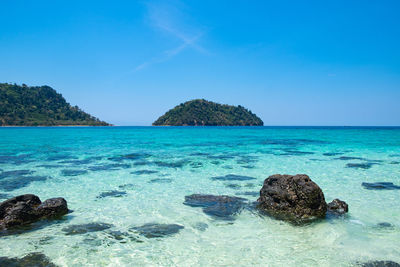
39	106
201	112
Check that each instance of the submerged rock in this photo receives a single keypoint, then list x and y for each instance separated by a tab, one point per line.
291	197
176	164
201	226
30	260
219	207
161	180
26	209
380	186
112	193
380	264
79	229
360	165
144	172
11	184
109	167
338	206
232	177
385	225
73	172
330	154
349	158
154	230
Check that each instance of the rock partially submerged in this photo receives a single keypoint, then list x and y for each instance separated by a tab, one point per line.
338	206
292	197
26	209
219	207
296	198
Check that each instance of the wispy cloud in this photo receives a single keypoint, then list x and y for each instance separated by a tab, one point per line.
169	20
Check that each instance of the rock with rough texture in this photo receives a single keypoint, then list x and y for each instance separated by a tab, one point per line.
26	209
53	207
295	198
338	206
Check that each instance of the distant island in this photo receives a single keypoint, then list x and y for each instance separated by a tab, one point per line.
39	106
200	112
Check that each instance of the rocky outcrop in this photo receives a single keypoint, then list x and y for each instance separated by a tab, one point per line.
338	207
26	209
291	197
296	198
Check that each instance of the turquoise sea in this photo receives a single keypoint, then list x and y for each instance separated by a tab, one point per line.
117	179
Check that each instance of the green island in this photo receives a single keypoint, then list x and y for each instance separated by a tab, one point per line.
22	105
200	112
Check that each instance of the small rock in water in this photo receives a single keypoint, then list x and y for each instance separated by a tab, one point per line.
219	207
79	229
380	186
26	209
53	207
113	193
232	177
380	264
154	230
30	260
296	198
338	206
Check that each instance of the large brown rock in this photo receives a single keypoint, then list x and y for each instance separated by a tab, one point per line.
290	197
26	209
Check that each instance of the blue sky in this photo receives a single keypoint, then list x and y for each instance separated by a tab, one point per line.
290	62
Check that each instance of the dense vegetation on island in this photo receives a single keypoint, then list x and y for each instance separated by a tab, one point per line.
39	106
201	112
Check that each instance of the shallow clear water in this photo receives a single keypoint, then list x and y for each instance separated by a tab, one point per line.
80	164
